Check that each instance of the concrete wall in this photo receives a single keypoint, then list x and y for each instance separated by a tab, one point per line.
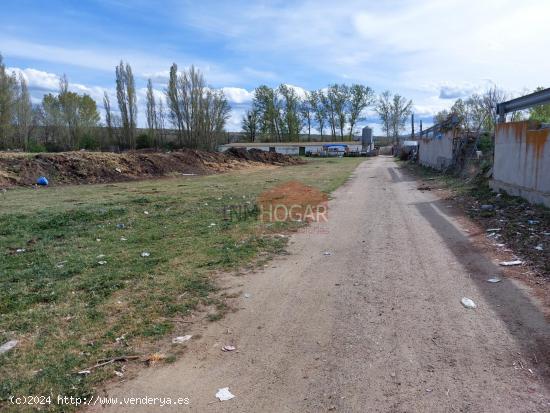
436	149
522	161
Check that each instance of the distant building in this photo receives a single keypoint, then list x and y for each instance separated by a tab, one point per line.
296	148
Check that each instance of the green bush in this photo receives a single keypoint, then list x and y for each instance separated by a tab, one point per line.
485	144
143	141
89	142
36	147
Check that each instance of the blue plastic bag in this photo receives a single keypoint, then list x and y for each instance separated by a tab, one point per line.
42	181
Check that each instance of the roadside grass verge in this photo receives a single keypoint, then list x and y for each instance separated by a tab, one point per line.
75	286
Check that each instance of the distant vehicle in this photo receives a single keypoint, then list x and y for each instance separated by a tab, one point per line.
335	149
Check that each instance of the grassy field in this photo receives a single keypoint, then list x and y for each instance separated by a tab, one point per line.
82	291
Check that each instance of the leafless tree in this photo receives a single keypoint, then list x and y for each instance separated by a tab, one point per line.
23	118
393	112
109	123
7	98
127	102
152	116
198	112
250	124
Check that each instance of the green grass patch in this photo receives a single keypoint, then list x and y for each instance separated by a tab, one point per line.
81	289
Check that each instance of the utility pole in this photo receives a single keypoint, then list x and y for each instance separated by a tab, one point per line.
421	126
412	126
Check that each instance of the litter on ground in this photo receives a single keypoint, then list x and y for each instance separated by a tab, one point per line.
327	253
494	280
42	181
102	262
8	346
511	263
181	339
539	247
224	394
145	254
228	348
468	303
20	250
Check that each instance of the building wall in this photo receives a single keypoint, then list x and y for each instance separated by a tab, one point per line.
436	149
522	161
293	149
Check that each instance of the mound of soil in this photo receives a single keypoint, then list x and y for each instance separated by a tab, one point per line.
100	167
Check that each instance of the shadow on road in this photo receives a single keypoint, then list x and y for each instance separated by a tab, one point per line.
522	318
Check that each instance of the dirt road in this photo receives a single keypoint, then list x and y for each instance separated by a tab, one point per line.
375	326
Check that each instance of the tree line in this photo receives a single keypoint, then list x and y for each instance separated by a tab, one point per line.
188	108
282	114
477	113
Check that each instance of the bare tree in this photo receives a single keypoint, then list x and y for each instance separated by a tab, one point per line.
250	124
127	102
198	112
151	111
23	118
384	109
401	111
360	98
173	100
7	98
161	123
393	112
491	98
109	121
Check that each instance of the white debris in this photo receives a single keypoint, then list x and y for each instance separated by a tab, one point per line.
213	224
4	348
100	256
532	222
102	262
493	230
468	303
119	374
247	295
181	339
229	348
123	239
145	254
84	372
511	263
98	239
494	279
327	253
146	212
188	174
20	250
224	394
539	247
118	170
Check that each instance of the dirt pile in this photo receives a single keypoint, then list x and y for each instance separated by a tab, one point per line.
257	155
100	167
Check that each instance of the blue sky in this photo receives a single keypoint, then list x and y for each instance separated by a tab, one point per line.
431	51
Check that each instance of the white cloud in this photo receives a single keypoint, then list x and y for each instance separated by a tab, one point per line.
37	79
238	95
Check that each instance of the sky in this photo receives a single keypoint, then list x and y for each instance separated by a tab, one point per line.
430	51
